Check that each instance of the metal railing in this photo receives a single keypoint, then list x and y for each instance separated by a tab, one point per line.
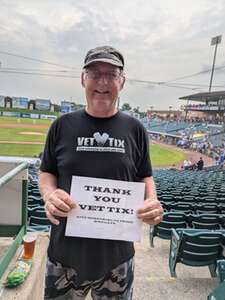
15	231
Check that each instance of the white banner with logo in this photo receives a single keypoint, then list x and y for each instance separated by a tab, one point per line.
106	209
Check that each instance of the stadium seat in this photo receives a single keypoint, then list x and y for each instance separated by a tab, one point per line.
206	221
45	228
34	201
218	293
207	208
221	270
222	209
167	197
163	229
195	247
37	211
33	221
186	208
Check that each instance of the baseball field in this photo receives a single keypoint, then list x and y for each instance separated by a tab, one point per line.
26	137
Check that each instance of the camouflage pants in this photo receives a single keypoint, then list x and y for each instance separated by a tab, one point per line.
61	283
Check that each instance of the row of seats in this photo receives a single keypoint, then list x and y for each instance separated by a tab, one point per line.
181	220
197	237
192	208
192	200
191	194
37	219
175	191
202	182
37	216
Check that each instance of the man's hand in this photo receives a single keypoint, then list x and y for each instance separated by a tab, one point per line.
57	204
151	212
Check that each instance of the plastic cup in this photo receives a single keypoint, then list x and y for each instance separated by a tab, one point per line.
29	240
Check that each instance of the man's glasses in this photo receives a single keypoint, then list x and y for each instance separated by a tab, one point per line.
97	75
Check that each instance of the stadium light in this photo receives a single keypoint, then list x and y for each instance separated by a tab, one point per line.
214	41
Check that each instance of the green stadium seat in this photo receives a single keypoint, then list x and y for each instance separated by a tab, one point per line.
221	270
163	229
195	247
33	221
45	228
206	221
186	208
207	208
218	293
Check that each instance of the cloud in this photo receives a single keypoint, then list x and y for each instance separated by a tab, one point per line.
160	40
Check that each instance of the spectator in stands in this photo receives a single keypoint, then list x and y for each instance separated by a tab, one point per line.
193	166
77	265
200	164
187	164
217	160
194	146
221	158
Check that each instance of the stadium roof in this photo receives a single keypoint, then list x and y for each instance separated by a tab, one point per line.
203	97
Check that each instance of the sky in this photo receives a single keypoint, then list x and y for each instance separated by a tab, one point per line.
161	40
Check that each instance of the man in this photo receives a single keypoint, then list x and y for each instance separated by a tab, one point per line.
77	265
200	164
186	164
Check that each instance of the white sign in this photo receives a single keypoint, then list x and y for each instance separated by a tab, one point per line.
106	209
48	117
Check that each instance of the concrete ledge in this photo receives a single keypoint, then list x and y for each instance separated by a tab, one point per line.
33	287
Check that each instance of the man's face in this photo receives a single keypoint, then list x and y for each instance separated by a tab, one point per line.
102	83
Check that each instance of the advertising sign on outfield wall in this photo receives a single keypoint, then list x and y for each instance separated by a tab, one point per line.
25	115
34	116
48	117
42	104
19	102
15	114
11	114
67	107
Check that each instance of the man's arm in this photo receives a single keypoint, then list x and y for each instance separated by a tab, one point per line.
150	190
57	202
151	212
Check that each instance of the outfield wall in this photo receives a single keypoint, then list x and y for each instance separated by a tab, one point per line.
27	115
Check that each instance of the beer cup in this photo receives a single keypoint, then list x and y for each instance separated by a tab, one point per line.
29	245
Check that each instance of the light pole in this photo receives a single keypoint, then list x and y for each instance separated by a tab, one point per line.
151	108
214	41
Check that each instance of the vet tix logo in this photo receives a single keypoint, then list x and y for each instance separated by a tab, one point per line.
100	142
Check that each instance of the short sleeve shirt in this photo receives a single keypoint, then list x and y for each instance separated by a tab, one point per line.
110	148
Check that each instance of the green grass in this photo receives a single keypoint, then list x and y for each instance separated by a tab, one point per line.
160	156
16	134
20	150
